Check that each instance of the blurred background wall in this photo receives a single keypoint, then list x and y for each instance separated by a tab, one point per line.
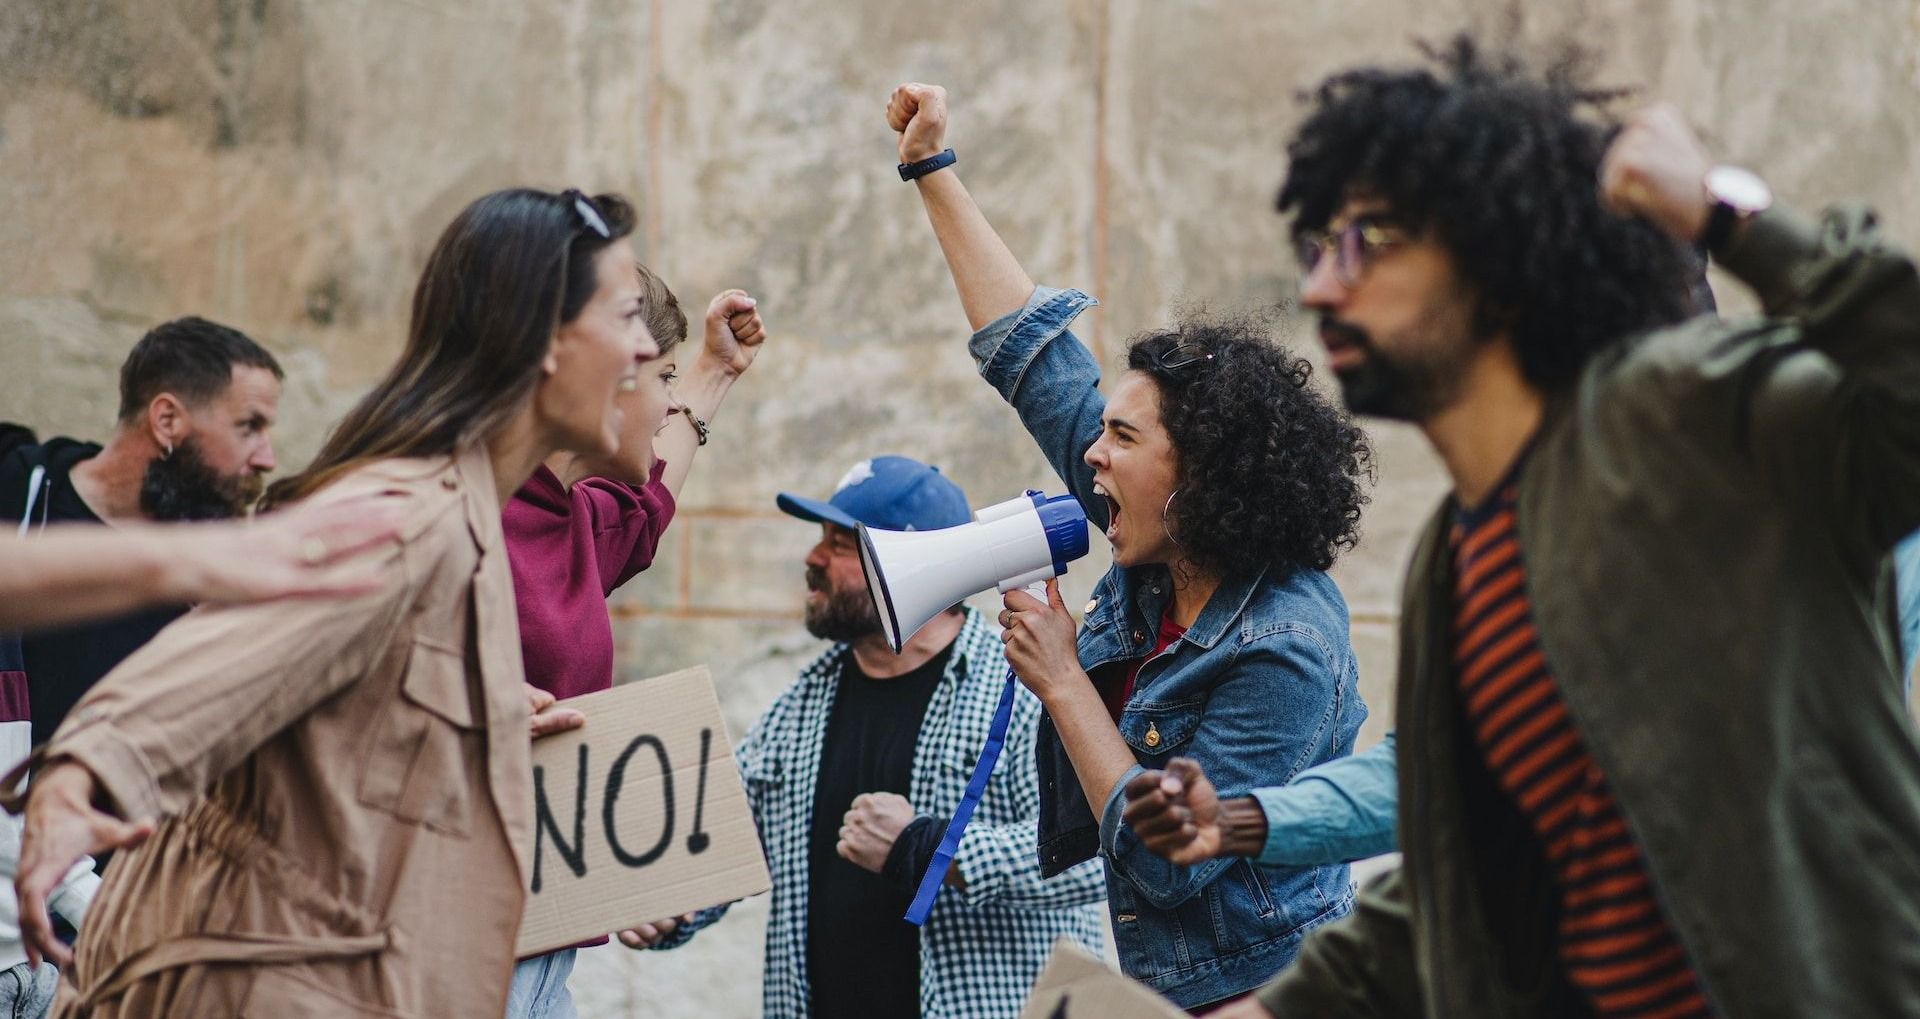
284	167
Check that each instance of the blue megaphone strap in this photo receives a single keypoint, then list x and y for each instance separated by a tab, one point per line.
936	874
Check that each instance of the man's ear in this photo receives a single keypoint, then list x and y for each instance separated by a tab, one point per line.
168	421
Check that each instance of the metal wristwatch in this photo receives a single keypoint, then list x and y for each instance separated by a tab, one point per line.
1737	194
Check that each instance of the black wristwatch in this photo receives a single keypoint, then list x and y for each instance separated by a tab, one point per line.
915	171
1737	194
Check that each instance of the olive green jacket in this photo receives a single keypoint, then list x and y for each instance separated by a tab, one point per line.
1705	519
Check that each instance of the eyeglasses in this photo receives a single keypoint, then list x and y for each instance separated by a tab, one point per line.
1354	247
587	213
1180	356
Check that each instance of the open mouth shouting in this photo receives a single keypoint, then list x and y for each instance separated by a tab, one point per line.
1113	512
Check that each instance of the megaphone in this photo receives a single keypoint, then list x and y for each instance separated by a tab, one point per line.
914	576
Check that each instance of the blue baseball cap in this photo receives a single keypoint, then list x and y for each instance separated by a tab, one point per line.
892	493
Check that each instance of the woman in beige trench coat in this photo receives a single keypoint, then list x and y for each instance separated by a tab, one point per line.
324	804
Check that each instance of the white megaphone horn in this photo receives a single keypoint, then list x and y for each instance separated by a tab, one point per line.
915	575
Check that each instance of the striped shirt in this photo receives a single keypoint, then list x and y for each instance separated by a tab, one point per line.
1615	944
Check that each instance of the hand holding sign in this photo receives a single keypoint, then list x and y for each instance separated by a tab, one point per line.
545	718
648	935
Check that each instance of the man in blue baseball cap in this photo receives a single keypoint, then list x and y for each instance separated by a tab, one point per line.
853	772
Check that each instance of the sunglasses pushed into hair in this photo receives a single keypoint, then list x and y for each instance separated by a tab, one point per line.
1181	355
587	213
1354	247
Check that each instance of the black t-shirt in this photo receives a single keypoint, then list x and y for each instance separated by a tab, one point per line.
63	663
863	957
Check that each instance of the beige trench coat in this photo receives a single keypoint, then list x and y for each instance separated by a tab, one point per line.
340	786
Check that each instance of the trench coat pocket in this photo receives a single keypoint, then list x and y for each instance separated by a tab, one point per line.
416	765
288	992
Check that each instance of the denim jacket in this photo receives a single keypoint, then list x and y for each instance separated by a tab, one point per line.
1261	687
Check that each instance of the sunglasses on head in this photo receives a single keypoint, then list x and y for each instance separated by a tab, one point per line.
583	207
1181	356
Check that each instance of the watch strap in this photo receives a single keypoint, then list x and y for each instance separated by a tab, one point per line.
917	170
1721	219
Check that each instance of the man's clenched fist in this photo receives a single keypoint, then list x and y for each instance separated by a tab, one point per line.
1655	169
919	113
868	832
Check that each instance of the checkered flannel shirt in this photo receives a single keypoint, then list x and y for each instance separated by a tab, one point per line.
983	945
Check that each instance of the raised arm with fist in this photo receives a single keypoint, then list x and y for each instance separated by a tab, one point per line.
1656	170
918	113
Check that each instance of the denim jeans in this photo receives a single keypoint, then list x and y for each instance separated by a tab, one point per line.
27	993
539	988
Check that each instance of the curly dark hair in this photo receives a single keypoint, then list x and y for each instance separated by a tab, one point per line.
1501	165
1270	473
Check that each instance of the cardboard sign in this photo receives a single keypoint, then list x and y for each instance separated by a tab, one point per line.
638	815
1075	985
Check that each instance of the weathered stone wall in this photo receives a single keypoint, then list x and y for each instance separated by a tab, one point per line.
285	166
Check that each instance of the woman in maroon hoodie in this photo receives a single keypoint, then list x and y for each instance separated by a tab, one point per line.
585	524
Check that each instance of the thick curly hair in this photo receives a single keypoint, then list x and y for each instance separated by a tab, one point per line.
1270	473
1501	165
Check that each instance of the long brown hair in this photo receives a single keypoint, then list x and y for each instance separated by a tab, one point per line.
510	269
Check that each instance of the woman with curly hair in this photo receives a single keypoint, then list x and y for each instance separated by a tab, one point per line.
1226	487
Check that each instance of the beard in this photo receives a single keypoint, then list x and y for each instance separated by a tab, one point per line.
185	487
1421	379
845	615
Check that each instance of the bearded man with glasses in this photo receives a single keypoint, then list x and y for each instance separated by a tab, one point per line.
1656	758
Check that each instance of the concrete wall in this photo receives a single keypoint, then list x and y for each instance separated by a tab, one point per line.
284	167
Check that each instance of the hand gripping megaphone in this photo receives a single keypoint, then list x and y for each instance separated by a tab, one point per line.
915	575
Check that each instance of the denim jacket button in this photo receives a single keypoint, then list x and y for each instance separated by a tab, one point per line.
1138	636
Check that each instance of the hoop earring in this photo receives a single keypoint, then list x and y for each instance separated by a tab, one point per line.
1163	520
166	451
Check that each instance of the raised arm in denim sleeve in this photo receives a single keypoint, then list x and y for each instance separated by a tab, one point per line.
1336	812
1846	431
1259	737
1038	365
1001	863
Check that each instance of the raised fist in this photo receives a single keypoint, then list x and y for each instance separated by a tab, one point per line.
1656	170
919	113
734	331
1175	813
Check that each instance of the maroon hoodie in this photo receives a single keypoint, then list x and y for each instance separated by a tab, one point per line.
569	550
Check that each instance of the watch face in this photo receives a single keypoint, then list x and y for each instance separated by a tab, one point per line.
1742	189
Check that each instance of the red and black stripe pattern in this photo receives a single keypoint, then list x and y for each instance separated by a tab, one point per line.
1614	941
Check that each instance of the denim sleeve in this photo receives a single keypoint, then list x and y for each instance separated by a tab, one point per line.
1906	583
1053	386
1335	812
1249	736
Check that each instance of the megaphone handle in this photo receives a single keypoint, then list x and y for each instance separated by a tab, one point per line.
936	874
